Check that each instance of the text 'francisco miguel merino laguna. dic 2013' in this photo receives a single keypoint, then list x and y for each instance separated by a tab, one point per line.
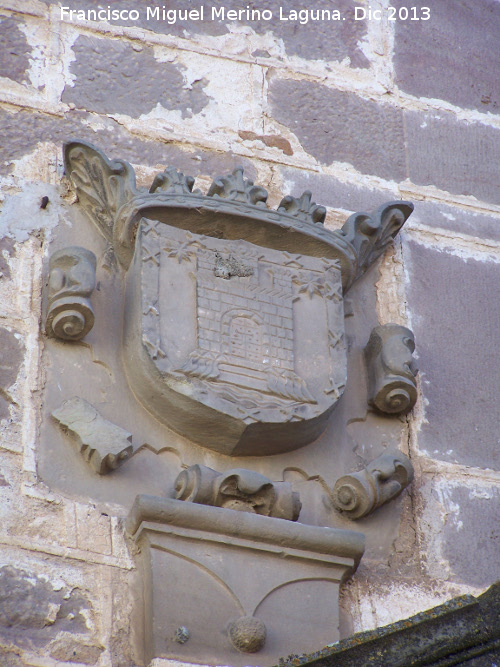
246	14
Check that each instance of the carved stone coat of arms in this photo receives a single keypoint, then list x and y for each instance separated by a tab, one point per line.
234	321
219	324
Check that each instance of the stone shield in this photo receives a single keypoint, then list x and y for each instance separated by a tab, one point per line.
231	343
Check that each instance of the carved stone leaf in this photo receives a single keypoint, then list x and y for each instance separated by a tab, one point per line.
238	188
203	366
303	208
370	234
171	181
103	186
289	385
183	252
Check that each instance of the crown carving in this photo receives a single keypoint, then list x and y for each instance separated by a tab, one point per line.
238	189
107	191
304	208
173	182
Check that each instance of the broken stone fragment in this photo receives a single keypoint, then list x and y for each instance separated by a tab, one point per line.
102	444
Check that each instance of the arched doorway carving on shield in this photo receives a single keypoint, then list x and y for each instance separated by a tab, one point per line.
245	347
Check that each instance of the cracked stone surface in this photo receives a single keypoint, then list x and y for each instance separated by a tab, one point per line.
32	613
457	354
427	66
10	363
326	40
473	527
474	168
24	130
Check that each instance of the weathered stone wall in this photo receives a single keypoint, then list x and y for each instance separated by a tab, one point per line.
359	112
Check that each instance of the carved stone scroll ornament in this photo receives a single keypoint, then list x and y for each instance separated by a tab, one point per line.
103	445
71	282
360	493
391	369
242	490
234	325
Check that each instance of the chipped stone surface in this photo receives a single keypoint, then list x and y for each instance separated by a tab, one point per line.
110	77
103	445
23	213
271	140
461	530
32	611
456	220
342	127
309	39
58	608
6	251
472	529
12	659
93	529
439	58
67	649
25	129
11	359
14	50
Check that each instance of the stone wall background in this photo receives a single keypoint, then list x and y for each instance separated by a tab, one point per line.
359	113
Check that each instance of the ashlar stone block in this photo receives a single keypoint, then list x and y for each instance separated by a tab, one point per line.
458	356
453	55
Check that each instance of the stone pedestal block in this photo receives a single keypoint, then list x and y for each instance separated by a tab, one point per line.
237	588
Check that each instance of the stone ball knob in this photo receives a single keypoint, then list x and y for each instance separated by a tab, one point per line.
247	634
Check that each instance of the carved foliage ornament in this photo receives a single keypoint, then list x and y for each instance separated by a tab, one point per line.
234	331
